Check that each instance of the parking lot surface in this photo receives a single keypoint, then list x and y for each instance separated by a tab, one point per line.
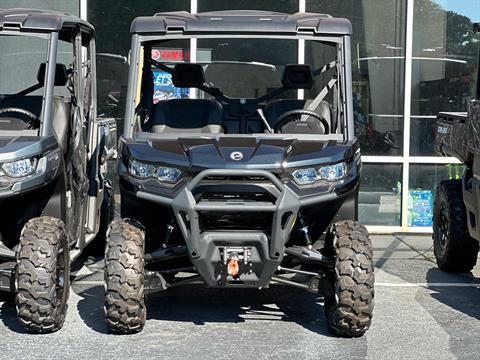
420	312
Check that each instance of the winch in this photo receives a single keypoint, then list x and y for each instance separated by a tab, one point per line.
233	256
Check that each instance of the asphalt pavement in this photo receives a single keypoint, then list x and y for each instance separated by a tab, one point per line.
420	312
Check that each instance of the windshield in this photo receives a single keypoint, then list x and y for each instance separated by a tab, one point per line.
20	59
246	71
23	59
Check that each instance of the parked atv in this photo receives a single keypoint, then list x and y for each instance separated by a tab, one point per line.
245	176
53	153
456	217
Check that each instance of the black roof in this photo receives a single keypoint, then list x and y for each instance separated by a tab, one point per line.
240	21
38	20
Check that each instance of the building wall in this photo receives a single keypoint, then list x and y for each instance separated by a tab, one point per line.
68	6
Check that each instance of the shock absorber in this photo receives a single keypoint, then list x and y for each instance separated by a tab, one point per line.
304	230
168	232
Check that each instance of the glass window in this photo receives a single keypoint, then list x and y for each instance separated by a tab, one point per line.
29	52
286	6
379	134
65	56
445	84
112	19
445	63
241	68
247	68
445	51
424	180
378	45
25	53
20	60
317	55
235	66
380	194
423	136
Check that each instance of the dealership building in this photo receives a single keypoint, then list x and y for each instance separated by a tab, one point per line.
411	59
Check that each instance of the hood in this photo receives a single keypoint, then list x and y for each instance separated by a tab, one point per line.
239	152
18	147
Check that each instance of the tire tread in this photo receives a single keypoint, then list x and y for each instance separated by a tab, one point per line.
36	302
125	309
461	251
350	309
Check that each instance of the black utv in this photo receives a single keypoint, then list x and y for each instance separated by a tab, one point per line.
238	164
456	216
53	153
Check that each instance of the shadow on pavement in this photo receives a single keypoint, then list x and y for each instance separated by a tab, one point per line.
386	253
90	308
464	299
461	325
198	305
8	313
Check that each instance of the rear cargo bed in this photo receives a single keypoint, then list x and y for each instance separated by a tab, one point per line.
451	135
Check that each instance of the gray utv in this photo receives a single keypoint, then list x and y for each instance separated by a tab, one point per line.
456	215
53	153
238	164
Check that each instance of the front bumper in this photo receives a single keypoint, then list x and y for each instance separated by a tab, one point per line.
266	250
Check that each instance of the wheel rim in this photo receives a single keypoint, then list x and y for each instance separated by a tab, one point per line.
443	227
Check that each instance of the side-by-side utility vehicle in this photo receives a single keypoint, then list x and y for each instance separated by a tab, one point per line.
238	164
53	153
456	218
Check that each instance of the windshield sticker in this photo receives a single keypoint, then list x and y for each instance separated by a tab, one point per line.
163	88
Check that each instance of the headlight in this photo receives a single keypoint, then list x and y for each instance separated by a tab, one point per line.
305	176
333	172
20	168
329	173
167	174
141	170
162	173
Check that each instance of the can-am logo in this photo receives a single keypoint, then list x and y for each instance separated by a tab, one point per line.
236	155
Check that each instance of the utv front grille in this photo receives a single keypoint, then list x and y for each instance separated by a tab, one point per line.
259	221
224	189
239	178
236	197
211	220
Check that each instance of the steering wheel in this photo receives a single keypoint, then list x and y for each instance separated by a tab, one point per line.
32	123
296	114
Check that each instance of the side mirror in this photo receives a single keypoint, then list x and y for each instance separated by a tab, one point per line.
61	74
107	139
188	76
297	76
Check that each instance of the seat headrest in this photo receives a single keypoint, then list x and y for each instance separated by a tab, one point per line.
297	76
187	113
188	75
61	74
